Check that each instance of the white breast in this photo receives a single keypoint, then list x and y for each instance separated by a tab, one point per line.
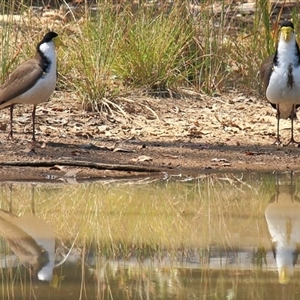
279	90
45	86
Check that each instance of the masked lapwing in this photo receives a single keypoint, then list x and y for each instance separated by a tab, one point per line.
283	219
32	240
280	74
34	81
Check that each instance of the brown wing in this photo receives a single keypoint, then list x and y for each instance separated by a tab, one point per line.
266	70
22	79
21	243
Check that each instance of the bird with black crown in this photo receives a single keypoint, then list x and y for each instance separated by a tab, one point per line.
34	81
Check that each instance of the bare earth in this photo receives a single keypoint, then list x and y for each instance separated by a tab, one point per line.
193	135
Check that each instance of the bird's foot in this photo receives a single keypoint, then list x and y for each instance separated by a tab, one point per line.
278	142
292	141
10	136
35	144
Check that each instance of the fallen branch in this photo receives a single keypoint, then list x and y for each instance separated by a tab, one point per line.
80	163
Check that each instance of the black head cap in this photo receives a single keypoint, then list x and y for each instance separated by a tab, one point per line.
48	37
287	24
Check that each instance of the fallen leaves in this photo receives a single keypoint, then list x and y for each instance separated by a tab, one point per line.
3	126
211	119
142	158
250	153
179	133
121	149
69	172
221	162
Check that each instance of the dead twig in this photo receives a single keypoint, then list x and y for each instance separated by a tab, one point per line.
86	164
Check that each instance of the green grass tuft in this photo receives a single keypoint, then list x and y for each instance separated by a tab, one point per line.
154	51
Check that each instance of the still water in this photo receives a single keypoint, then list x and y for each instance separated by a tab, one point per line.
218	236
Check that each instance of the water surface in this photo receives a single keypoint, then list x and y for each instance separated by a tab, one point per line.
218	236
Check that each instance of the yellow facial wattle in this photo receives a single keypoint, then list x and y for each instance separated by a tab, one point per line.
286	33
57	41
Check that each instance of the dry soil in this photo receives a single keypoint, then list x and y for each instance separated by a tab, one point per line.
189	135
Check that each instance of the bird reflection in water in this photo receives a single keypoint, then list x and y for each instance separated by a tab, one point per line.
283	219
32	240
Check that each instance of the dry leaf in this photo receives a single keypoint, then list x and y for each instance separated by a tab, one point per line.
71	173
29	151
22	119
170	156
119	149
219	160
57	167
3	126
144	158
76	152
82	134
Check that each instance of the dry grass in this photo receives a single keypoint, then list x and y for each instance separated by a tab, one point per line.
157	49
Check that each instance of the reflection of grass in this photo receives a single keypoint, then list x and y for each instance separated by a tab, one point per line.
163	215
161	220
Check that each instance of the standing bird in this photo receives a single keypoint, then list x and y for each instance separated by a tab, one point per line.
33	81
280	74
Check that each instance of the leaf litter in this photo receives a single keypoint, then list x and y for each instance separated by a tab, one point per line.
195	132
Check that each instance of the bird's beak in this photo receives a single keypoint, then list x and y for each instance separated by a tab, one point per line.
284	277
58	43
286	33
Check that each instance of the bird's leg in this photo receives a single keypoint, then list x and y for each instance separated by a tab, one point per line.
33	122
277	141
292	117
10	134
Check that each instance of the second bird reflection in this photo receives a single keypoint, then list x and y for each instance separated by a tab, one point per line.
283	219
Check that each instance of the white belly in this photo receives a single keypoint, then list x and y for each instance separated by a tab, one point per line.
40	92
279	92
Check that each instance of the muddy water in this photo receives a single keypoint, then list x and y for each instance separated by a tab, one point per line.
222	236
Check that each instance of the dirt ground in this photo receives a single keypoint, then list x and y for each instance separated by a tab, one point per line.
190	135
